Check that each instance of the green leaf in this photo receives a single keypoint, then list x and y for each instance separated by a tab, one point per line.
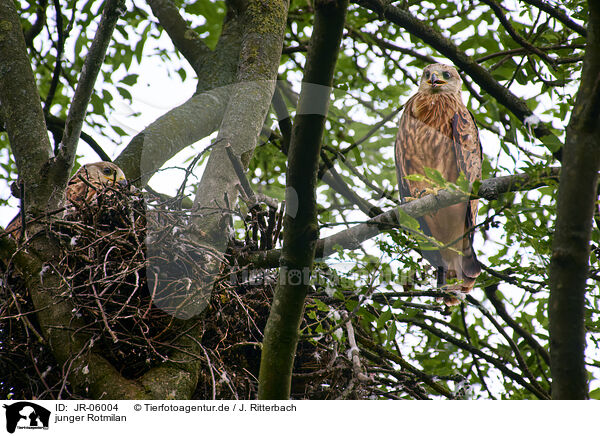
321	306
130	79
385	317
462	183
435	176
124	93
406	220
552	142
119	131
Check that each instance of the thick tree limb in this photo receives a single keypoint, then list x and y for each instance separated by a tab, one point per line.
22	112
29	141
301	228
490	189
577	194
89	373
195	119
177	129
243	119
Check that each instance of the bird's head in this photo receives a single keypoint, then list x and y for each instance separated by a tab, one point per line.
440	78
103	173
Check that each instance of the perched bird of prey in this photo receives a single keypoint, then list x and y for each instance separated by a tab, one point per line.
82	188
437	131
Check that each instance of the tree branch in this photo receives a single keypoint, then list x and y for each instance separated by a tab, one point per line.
89	371
22	113
60	46
521	364
85	87
559	14
186	40
490	189
446	47
244	116
490	292
498	363
38	25
515	36
370	38
520	51
186	124
57	127
193	120
429	380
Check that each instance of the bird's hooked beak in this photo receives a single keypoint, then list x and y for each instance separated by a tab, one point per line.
436	80
122	183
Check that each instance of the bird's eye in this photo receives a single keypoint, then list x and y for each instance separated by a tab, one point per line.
107	171
446	75
427	74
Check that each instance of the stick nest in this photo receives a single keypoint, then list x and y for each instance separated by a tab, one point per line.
123	258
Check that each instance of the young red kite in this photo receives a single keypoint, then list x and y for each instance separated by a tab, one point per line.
437	131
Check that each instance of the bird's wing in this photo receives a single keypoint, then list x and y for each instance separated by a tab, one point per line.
404	129
79	188
465	138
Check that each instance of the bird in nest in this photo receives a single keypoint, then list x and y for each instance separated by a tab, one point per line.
82	188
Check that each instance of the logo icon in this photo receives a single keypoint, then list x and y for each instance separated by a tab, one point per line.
26	415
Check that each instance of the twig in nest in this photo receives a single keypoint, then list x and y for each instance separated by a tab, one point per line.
248	195
180	192
354	354
104	319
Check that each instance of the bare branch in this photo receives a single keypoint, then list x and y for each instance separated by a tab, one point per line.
490	292
57	127
60	46
38	25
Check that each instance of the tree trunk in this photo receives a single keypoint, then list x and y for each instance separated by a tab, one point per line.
301	228
577	196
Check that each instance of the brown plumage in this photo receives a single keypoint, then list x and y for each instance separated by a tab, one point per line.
82	188
437	131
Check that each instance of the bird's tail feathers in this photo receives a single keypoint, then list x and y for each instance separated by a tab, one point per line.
470	265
